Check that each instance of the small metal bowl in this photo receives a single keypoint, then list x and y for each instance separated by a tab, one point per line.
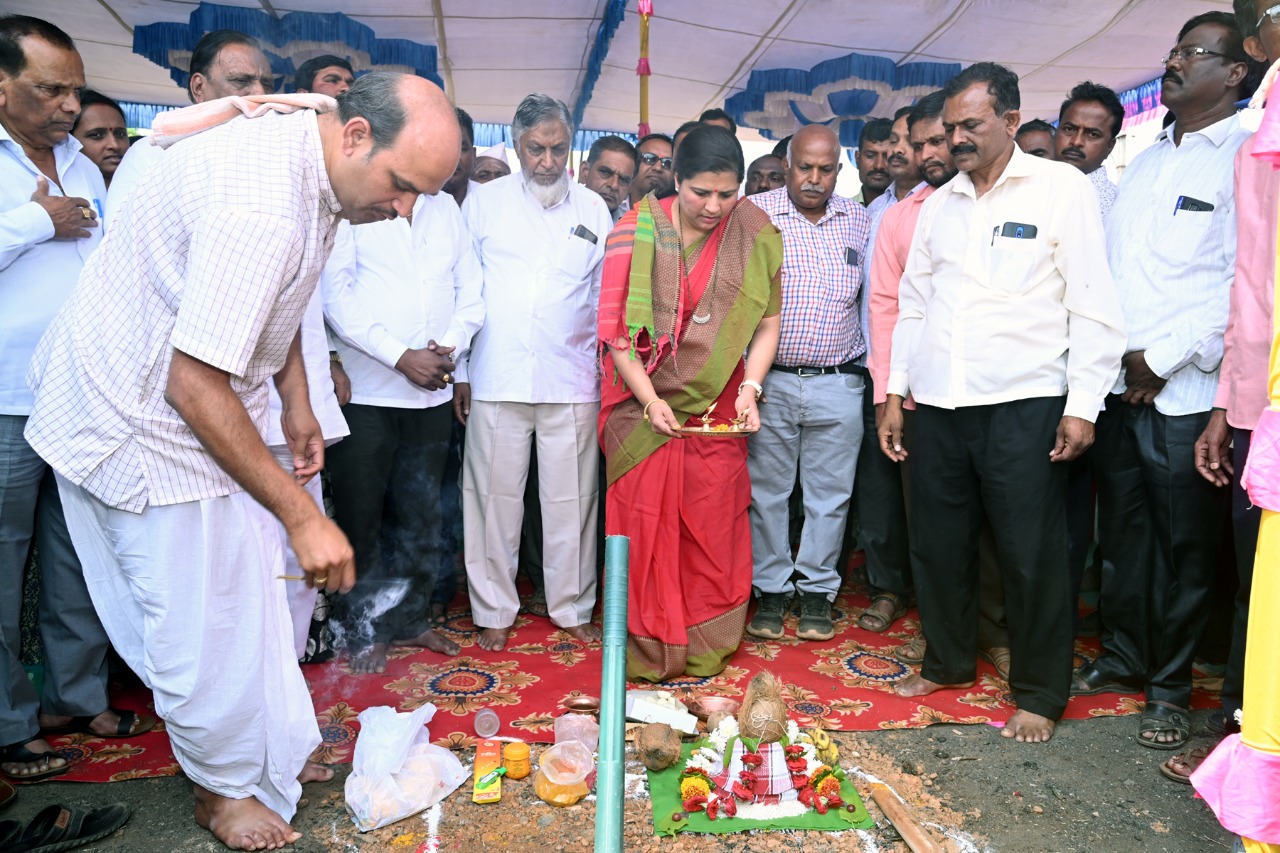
704	706
582	705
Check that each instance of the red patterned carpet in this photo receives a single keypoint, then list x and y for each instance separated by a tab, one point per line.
842	685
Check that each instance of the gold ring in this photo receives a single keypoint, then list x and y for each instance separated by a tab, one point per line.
448	378
84	213
324	579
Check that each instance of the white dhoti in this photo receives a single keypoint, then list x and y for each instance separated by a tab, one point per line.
496	466
189	597
302	598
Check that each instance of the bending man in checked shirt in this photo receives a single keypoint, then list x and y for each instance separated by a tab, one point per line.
156	438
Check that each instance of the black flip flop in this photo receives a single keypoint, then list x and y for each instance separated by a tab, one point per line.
18	753
56	828
81	725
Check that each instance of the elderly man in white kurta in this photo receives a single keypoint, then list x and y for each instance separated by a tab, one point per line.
540	239
150	399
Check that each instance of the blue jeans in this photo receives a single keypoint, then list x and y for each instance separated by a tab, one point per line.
810	424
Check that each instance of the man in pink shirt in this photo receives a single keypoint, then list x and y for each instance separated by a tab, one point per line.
1223	447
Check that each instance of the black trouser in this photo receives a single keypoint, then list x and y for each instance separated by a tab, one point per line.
1160	527
992	462
879	494
387	477
1245	520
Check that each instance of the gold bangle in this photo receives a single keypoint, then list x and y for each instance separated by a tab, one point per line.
650	403
334	358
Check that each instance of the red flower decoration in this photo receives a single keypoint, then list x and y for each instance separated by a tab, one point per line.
794	750
752	760
712	807
805	796
835	802
695	804
730	807
800	781
797	765
748	778
741	791
820	805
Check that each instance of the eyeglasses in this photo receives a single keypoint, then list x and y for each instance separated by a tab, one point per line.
1186	54
649	158
1273	13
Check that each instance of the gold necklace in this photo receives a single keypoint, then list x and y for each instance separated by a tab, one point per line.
700	319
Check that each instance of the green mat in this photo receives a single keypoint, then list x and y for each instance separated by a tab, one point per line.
664	791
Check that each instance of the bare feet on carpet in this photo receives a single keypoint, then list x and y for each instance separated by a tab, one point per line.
493	639
314	771
917	685
584	633
432	640
371	660
1027	727
242	824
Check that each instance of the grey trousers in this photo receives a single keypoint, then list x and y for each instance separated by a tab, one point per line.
75	677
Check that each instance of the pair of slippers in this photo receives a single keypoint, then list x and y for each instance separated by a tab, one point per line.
56	828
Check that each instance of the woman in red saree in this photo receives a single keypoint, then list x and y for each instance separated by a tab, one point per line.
690	283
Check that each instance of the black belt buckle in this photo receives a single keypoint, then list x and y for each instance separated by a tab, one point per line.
802	372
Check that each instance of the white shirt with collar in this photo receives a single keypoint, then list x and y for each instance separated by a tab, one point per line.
541	293
37	272
1174	264
988	316
392	286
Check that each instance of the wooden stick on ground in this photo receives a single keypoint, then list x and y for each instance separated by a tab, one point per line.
915	835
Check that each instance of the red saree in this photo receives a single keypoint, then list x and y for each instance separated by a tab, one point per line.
683	503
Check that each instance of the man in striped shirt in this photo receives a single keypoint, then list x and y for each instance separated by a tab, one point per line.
813	423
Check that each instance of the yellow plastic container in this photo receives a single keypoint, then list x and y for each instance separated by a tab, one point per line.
515	757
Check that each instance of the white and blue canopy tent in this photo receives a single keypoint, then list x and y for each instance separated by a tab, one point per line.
773	64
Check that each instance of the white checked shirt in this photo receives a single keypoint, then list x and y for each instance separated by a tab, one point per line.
1174	271
541	292
390	287
37	272
821	279
986	318
216	253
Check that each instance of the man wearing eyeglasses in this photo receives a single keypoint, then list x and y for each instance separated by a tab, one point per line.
1171	241
1222	448
656	169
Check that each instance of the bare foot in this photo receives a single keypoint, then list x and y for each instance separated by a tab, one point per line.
432	640
917	685
48	760
242	824
1028	727
584	633
314	771
371	660
493	639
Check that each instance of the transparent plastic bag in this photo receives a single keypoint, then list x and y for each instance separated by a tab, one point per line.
397	771
562	773
580	727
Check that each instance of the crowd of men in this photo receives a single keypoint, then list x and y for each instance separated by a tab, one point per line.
971	349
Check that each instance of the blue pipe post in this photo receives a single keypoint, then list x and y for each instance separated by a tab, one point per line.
613	697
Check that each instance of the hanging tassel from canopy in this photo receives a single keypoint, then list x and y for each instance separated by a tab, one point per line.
642	67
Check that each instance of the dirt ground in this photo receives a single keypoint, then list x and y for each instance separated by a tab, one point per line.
1090	790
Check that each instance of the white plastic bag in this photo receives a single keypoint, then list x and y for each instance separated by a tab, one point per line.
397	771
